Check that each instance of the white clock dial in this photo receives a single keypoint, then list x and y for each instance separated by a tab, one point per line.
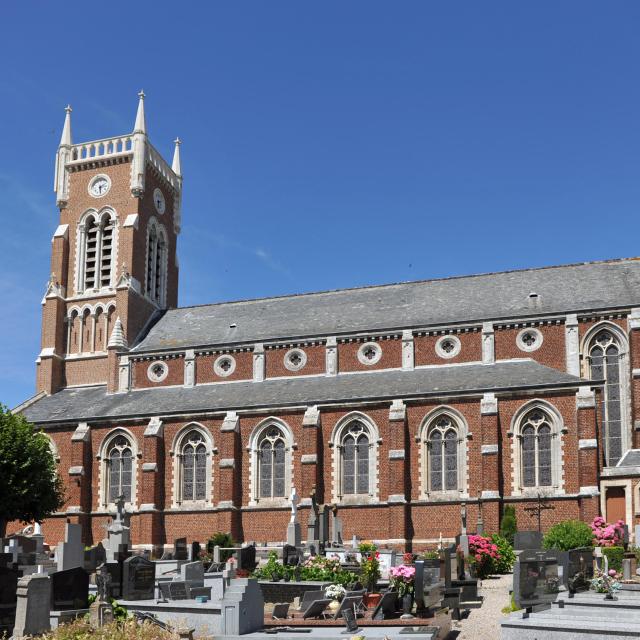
158	200
99	186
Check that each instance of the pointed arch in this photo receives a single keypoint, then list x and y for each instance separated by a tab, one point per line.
605	356
156	262
355	439
537	449
270	448
96	246
442	436
118	455
192	451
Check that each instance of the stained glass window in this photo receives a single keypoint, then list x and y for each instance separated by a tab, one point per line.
442	451
355	459
535	445
272	458
194	467
604	356
119	469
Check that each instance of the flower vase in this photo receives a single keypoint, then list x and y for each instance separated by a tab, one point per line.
333	606
407	605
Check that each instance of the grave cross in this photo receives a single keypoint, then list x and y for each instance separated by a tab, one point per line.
536	510
294	505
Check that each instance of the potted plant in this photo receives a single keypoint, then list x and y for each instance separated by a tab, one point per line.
403	581
335	592
370	568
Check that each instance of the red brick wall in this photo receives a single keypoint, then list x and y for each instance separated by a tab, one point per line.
391	356
470	349
315	364
140	380
205	372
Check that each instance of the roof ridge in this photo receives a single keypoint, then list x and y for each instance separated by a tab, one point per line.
405	282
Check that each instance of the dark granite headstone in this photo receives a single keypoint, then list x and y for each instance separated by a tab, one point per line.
138	579
350	620
527	540
178	590
290	555
8	599
537	578
70	589
94	557
577	565
180	551
247	558
115	585
386	608
5	559
195	551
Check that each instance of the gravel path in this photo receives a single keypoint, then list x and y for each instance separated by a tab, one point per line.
484	623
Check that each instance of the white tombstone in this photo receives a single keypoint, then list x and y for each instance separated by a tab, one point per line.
33	606
70	553
294	531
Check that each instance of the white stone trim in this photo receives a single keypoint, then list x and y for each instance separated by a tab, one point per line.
556	423
258	362
396	498
219	371
157	377
148	506
336	459
396	454
331	356
62	231
369	345
421	437
82	433
231	422
131	221
149	466
408	351
589	491
124	374
587	443
154	428
227	463
488	449
252	448
290	365
76	471
635	373
488	343
397	411
189	368
177	500
572	344
585	398
456	344
309	458
490	495
311	417
633	319
489	404
103	487
523	346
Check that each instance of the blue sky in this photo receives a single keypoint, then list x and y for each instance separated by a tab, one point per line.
330	144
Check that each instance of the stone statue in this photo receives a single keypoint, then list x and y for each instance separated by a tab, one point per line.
103	580
294	505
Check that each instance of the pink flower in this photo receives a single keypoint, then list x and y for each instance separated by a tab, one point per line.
612	573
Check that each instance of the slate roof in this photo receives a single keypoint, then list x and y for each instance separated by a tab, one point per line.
630	459
91	403
563	289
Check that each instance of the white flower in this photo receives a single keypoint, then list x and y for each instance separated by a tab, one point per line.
335	591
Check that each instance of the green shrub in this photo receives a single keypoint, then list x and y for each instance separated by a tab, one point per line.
615	555
509	524
567	535
220	539
507	557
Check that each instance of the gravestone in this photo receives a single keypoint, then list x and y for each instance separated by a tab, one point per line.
33	606
114	569
323	527
101	611
119	532
195	551
8	587
577	569
180	551
192	573
387	558
336	528
294	533
537	578
313	523
138	578
291	556
70	554
523	540
69	589
350	620
178	590
247	558
386	608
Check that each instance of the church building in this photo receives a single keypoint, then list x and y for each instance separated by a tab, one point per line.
397	403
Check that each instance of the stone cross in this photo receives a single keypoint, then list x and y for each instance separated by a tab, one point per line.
463	515
294	505
103	580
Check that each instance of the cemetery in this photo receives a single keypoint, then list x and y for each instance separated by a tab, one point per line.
575	581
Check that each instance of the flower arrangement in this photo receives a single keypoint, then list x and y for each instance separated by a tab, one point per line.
607	535
335	592
408	558
483	554
605	582
403	579
366	547
369	564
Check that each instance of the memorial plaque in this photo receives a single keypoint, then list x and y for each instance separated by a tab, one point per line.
70	589
537	578
178	590
138	579
350	620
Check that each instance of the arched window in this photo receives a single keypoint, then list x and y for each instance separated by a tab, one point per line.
96	247
442	447
272	463
605	358
194	467
354	441
355	459
119	463
535	447
156	262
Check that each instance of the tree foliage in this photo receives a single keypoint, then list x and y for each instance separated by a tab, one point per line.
31	487
509	524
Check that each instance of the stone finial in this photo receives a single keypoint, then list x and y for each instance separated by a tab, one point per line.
175	166
65	139
141	123
117	339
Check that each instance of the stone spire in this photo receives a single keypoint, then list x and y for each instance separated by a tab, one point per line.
65	139
176	158
117	338
141	124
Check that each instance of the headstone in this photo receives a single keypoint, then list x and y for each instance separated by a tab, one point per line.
8	587
180	551
577	569
138	578
294	533
114	569
531	540
247	557
119	533
312	522
242	608
192	573
70	589
387	558
33	606
100	610
323	527
386	608
178	590
290	555
626	569
336	528
350	620
537	578
195	551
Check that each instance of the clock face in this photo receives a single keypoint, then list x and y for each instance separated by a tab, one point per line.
99	186
158	200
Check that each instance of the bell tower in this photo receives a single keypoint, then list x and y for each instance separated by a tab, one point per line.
114	265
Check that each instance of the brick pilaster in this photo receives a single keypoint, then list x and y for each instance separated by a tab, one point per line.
78	487
229	494
586	421
151	492
398	465
310	459
489	448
